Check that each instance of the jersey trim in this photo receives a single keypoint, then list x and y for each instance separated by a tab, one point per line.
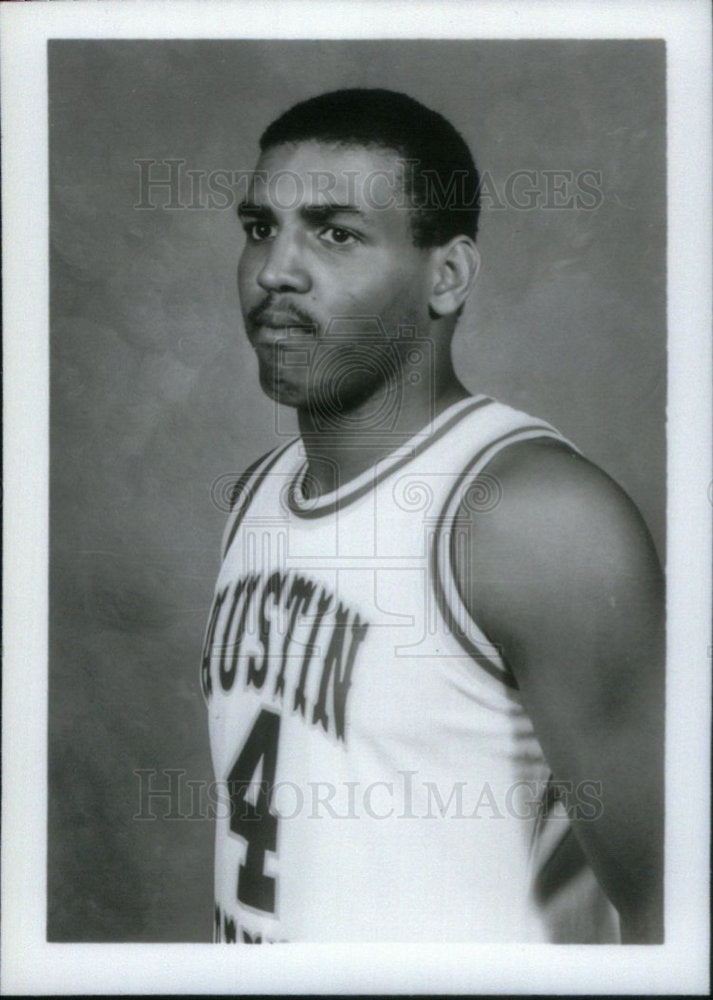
246	487
369	480
450	603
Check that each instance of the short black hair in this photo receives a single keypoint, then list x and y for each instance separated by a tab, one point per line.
441	180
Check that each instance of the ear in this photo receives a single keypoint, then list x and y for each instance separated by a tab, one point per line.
456	266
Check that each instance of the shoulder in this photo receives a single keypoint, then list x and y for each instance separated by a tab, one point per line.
549	495
239	493
240	485
241	489
564	551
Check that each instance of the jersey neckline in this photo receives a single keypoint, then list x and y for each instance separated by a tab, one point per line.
354	489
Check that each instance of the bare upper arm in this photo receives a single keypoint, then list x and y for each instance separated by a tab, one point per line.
564	564
562	576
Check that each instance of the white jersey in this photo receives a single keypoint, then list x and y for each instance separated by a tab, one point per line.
378	777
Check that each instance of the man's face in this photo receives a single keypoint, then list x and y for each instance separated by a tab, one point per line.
330	274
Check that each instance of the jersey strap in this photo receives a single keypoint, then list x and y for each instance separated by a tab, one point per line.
246	486
476	490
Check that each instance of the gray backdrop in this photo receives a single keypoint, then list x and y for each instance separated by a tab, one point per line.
154	393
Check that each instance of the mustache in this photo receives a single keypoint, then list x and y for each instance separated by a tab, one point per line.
286	310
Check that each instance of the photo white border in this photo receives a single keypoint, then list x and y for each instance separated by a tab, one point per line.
29	963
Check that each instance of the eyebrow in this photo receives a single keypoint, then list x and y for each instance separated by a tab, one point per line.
319	213
251	209
311	213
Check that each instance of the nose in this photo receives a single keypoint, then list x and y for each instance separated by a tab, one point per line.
283	269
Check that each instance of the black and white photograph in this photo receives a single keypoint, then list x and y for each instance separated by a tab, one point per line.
365	417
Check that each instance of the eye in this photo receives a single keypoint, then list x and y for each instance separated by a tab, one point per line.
337	236
259	231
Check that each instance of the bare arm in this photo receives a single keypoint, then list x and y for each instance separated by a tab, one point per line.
563	576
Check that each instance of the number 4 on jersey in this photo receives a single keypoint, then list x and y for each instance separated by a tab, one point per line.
250	816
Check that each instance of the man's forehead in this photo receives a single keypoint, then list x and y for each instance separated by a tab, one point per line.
326	172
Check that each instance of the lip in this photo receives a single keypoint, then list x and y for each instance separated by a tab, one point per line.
275	320
267	338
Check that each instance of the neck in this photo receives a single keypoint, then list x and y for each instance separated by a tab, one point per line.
347	444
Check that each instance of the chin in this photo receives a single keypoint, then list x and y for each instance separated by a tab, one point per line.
280	390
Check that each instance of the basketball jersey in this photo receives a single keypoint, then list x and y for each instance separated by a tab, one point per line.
377	777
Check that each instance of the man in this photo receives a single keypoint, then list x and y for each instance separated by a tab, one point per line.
433	665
